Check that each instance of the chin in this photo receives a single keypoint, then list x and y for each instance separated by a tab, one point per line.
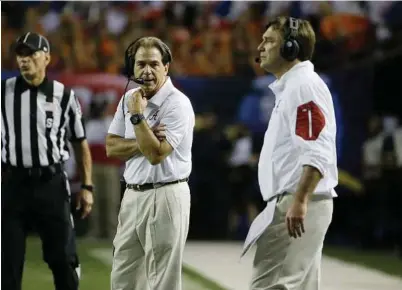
265	66
149	90
27	75
268	67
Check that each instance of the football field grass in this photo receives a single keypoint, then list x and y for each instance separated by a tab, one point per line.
95	274
382	261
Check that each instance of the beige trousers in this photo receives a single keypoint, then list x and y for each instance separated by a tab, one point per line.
103	218
285	263
151	234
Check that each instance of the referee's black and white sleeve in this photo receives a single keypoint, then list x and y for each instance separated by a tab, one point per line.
76	128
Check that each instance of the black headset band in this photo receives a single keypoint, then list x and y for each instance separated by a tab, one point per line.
292	27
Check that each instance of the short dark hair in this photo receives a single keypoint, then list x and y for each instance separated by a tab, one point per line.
305	35
148	42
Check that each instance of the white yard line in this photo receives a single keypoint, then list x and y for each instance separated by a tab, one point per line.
220	262
105	256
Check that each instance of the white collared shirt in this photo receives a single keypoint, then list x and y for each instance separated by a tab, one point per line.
301	131
168	106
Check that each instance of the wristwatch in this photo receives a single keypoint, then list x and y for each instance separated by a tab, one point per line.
136	118
88	187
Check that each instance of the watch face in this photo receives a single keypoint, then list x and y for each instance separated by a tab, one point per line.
135	119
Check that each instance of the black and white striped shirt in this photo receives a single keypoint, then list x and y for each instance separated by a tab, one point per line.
36	122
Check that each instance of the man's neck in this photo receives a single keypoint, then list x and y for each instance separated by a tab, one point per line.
285	68
35	81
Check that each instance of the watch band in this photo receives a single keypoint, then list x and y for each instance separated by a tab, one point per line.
136	118
88	187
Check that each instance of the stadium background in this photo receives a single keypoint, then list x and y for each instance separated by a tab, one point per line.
358	54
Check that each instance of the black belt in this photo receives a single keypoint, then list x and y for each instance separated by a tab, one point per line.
34	172
148	186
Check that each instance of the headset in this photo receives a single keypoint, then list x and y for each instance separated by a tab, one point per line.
129	62
290	48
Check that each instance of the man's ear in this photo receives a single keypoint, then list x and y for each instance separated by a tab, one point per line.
48	58
167	68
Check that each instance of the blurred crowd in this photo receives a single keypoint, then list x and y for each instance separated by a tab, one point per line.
208	38
380	222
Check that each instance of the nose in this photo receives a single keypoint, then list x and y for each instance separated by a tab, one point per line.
260	48
147	69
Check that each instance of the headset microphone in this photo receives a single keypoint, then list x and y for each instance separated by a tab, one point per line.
257	60
139	81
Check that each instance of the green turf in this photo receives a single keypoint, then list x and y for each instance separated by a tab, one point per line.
381	261
94	275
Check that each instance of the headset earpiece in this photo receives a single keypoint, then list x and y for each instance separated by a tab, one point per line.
129	60
290	48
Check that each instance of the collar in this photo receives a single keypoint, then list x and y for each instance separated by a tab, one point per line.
299	69
42	87
160	96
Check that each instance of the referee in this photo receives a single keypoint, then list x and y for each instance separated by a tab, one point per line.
38	115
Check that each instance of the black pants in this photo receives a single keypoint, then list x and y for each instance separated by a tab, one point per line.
44	204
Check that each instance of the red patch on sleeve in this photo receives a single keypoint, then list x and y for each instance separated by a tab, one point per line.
310	121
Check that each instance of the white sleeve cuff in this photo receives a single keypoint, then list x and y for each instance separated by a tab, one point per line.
174	142
116	128
314	162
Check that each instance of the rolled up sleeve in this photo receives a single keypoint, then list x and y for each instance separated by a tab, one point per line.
118	125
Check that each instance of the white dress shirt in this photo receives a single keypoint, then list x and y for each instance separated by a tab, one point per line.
168	106
301	131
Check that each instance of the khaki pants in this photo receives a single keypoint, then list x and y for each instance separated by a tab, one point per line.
103	218
150	239
285	263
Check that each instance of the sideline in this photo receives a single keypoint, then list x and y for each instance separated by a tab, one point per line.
220	261
217	266
105	256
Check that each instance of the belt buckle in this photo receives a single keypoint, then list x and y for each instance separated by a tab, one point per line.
157	185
